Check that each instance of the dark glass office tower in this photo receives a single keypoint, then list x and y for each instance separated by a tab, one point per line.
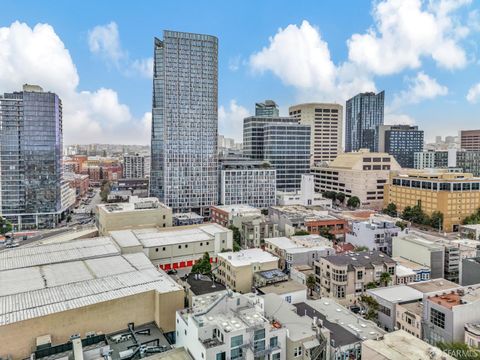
267	109
364	113
31	157
401	141
185	121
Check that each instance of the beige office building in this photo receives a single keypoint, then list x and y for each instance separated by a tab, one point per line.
326	121
236	269
137	213
362	174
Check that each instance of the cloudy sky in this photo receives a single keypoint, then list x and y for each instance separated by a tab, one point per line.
98	57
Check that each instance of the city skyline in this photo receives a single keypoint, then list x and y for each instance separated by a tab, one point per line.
100	67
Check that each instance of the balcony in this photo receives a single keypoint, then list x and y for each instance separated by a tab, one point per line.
211	343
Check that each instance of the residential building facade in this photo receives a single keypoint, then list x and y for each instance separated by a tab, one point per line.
250	182
363	114
184	166
134	166
344	277
375	234
470	140
326	123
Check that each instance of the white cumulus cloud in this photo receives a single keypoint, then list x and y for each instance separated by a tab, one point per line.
301	58
38	56
407	30
421	87
473	94
104	41
230	120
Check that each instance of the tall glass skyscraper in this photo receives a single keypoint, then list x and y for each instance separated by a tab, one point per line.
184	168
364	113
31	157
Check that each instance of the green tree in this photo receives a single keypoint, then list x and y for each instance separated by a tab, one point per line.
353	202
371	306
325	232
69	218
330	195
391	210
360	248
203	265
264	211
371	285
385	278
104	190
340	197
459	350
401	224
301	232
436	220
5	226
237	238
310	282
473	218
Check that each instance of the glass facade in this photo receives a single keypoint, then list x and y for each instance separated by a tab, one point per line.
184	169
364	113
267	109
403	141
31	157
287	148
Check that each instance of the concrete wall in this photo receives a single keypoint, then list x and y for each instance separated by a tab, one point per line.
18	339
136	219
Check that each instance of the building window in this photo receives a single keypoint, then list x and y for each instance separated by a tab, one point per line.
221	356
236	354
276	356
274	342
156	249
359	275
437	318
164	249
288	299
297	352
385	310
236	341
179	246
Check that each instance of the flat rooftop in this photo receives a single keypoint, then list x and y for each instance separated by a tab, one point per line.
299	326
404	271
345	327
135	204
396	294
433	285
409	264
238	209
155	237
202	284
414	307
282	287
400	345
360	259
309	212
36	255
41	290
247	257
187	216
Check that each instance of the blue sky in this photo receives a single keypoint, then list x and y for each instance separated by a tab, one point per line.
96	55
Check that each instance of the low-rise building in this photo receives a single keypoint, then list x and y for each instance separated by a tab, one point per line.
268	277
401	345
409	317
472	335
314	219
79	182
200	285
389	298
446	313
375	234
228	326
299	250
183	219
470	272
410	271
455	195
225	215
305	337
344	330
470	231
176	247
44	287
345	277
137	213
300	273
236	269
362	174
290	291
255	229
306	196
